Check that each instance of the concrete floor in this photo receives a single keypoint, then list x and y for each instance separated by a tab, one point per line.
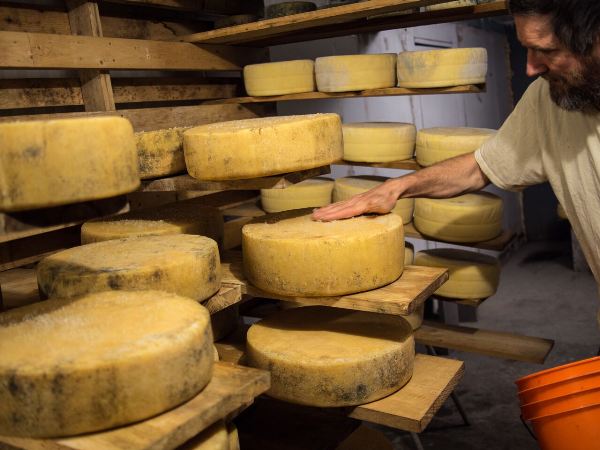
539	295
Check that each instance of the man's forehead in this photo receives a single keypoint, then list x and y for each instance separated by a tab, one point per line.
535	31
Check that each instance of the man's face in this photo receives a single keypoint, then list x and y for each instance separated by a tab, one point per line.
574	80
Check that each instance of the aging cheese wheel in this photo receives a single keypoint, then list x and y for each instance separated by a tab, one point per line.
350	186
100	361
283	9
441	68
378	141
54	162
160	152
308	193
260	147
409	254
468	218
214	437
185	217
438	144
234	440
289	254
330	357
355	72
472	275
280	78
183	264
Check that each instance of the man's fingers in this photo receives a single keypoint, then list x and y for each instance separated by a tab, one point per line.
341	210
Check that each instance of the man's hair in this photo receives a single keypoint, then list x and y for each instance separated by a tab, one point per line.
576	23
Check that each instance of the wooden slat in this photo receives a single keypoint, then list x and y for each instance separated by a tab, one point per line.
208	6
230	388
227	296
407	164
55	51
491	343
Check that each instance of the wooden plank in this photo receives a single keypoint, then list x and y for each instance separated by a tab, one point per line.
208	6
187	183
492	343
230	388
473	302
496	244
407	164
55	51
227	296
469	89
232	235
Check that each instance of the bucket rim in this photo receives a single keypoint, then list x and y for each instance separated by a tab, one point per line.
557	369
545	416
565	381
531	410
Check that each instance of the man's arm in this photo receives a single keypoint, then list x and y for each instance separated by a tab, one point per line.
449	178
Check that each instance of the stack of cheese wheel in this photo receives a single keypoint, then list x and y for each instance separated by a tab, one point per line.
280	78
71	366
289	254
355	72
260	147
331	357
308	193
442	68
185	217
472	275
438	144
473	217
55	162
347	187
160	152
183	264
378	141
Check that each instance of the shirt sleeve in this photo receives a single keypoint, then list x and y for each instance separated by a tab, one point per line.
512	158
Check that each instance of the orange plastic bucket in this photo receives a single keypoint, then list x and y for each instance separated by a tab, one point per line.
560	388
560	373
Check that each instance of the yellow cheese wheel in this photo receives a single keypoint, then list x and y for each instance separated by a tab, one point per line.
100	361
234	440
355	72
441	68
260	147
289	254
308	193
321	356
473	217
409	254
438	144
350	186
54	162
160	152
415	318
472	275
183	264
378	141
214	437
185	217
280	78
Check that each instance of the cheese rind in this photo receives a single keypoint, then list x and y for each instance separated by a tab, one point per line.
55	162
100	361
331	357
289	254
160	152
280	78
314	192
438	144
442	68
415	318
409	254
260	147
378	141
355	72
472	275
183	264
347	187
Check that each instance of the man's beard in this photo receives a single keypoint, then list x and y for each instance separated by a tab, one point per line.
579	91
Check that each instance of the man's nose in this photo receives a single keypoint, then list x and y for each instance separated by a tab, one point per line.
535	64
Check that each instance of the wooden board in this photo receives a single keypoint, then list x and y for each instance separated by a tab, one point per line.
400	297
407	164
227	296
230	388
492	343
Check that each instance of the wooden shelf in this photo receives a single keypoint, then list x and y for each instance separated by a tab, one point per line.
474	302
407	164
363	17
231	387
396	91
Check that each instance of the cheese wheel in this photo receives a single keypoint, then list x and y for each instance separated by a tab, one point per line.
473	217
283	9
331	357
260	147
183	264
214	437
442	68
308	193
472	275
280	78
347	187
160	152
355	72
438	144
409	254
54	162
100	361
453	4
234	440
378	141
185	217
415	318
289	254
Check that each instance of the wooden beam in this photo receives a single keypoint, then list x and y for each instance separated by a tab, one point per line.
407	164
206	6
